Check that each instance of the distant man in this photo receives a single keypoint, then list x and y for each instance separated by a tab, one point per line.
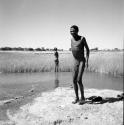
77	46
56	54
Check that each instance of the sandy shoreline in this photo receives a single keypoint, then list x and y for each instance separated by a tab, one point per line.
55	107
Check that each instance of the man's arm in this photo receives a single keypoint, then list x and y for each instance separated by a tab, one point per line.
87	51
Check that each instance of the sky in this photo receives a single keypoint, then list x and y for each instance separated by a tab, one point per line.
46	23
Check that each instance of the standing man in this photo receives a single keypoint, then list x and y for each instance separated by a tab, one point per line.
78	43
56	54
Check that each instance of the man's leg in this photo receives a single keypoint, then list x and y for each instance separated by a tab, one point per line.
55	67
75	74
79	79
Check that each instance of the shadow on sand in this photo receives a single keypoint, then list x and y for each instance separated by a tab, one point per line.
100	100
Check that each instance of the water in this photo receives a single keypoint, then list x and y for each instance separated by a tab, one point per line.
94	80
16	84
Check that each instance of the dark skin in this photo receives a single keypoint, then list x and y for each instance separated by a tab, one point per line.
56	61
78	45
77	37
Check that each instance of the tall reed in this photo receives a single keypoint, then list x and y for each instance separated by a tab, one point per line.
22	62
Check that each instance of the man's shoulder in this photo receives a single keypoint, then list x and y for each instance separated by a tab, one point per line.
83	37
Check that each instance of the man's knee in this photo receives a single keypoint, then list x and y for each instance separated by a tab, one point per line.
74	81
79	81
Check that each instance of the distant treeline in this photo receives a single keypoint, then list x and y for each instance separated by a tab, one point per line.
27	49
49	49
97	49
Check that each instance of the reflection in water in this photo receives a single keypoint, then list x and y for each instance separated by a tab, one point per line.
56	79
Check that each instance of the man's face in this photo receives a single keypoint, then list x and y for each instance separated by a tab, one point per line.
73	32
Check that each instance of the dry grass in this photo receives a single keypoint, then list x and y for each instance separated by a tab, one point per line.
104	62
107	62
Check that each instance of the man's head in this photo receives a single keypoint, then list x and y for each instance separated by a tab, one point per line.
74	30
55	49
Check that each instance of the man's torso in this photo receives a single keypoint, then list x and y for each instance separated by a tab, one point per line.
78	48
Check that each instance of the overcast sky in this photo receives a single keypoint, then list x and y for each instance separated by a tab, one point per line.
46	23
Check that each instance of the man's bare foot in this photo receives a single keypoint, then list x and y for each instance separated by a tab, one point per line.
76	101
82	101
